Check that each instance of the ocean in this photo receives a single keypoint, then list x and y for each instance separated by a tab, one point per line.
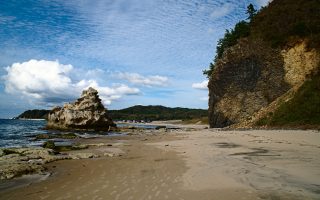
18	133
21	133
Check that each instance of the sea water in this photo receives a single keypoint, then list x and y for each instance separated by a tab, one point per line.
21	133
18	133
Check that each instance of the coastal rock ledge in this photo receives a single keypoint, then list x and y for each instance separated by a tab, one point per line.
86	113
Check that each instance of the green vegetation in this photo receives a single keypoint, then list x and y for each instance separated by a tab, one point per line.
302	110
251	11
151	113
34	114
147	113
284	21
241	30
279	24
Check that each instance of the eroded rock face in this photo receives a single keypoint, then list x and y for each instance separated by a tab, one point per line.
86	113
248	77
251	76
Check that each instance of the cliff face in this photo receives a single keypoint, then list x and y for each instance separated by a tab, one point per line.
252	75
86	113
248	77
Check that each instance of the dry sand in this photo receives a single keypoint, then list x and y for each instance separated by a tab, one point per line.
198	164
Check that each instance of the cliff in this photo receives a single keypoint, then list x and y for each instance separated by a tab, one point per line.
263	71
86	113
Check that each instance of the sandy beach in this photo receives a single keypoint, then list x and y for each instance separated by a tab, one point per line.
187	164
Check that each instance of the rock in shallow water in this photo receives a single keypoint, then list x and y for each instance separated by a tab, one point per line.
19	161
86	113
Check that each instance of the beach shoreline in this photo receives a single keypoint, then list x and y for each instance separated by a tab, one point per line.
187	164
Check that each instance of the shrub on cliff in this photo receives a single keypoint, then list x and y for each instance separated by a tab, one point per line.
281	22
241	30
302	110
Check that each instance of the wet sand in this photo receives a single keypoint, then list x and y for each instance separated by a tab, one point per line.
198	164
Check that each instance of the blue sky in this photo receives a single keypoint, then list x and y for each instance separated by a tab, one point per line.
147	52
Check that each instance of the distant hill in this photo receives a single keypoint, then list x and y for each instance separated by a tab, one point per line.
34	114
157	113
149	113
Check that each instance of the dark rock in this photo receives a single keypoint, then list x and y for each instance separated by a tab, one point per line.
49	145
59	135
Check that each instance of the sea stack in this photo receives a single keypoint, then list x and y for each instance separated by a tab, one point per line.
86	113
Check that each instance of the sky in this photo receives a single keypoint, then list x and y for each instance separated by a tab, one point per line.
134	52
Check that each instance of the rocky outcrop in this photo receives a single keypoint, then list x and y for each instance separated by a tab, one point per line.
19	161
299	62
248	77
263	70
251	76
86	113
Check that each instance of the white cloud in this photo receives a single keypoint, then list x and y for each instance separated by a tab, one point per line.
49	82
221	11
148	81
201	86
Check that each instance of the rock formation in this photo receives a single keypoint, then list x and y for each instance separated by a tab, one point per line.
86	113
248	77
254	74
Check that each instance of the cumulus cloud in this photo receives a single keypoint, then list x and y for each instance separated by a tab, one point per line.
201	86
148	81
50	83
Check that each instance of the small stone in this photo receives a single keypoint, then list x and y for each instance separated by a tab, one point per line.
108	154
49	145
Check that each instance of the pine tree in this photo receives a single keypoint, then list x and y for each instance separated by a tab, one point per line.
251	11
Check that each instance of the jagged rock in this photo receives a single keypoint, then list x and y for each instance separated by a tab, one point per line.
86	113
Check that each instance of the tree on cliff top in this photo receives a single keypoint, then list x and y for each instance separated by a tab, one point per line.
241	30
251	11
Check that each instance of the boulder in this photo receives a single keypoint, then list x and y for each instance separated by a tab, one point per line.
86	113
